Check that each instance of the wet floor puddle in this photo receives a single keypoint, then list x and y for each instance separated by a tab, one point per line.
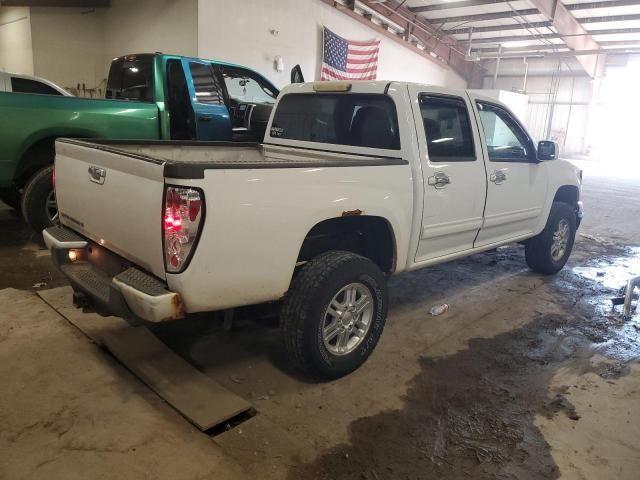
606	279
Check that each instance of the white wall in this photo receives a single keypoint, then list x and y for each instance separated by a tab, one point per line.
147	26
74	46
239	31
15	40
68	46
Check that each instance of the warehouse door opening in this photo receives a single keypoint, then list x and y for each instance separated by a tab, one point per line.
614	123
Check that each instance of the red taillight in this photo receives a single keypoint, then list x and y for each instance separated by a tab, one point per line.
53	177
181	223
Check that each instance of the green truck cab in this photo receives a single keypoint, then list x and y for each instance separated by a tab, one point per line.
148	96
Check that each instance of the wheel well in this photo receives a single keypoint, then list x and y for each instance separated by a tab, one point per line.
40	154
567	194
369	236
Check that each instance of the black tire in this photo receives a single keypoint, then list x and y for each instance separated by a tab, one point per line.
538	250
11	196
304	312
34	199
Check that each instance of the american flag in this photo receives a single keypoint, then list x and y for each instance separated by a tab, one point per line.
344	59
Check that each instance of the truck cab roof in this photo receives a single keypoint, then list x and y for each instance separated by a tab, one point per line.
373	86
167	56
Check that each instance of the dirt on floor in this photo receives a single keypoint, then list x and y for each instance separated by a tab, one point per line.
474	414
25	262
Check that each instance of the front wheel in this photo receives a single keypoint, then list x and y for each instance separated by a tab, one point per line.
39	206
334	314
548	252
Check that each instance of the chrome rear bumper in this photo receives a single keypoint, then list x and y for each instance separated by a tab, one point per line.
129	293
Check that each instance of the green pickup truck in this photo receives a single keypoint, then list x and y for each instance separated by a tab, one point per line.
148	96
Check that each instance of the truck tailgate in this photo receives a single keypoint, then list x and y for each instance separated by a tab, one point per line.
113	199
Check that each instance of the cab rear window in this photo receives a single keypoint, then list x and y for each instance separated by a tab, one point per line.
131	79
360	120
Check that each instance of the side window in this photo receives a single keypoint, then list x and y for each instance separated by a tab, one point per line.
206	85
131	79
506	140
447	128
246	87
24	85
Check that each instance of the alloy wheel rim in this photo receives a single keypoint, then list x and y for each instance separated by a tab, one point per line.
560	240
347	319
51	207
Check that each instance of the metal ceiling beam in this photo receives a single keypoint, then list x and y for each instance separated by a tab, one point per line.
573	34
578	54
446	48
512	38
555	46
452	5
516	38
481	17
516	26
605	4
57	3
538	75
476	3
497	28
609	18
613	31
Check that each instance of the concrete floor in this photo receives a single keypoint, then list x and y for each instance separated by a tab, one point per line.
525	377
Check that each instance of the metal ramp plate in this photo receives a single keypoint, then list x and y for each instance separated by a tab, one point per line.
194	395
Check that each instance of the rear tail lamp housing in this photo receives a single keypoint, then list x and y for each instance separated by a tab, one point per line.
182	219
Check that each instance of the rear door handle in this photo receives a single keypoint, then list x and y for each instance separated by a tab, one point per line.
499	176
439	180
205	118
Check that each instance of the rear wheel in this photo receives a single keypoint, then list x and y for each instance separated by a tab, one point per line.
548	252
334	314
39	206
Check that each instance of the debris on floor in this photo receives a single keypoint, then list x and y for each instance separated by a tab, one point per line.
438	309
628	295
237	379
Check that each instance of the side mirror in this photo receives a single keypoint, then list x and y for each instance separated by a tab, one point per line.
547	150
296	75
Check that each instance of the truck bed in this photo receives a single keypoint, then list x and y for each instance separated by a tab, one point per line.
182	159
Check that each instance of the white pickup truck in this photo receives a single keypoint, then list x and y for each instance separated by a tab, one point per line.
353	182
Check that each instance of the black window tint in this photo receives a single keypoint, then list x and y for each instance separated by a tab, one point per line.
362	120
506	140
206	85
131	80
447	128
178	102
24	85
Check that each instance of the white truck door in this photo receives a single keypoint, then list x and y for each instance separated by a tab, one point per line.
517	186
454	176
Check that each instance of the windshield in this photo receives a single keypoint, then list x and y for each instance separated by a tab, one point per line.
247	87
131	78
